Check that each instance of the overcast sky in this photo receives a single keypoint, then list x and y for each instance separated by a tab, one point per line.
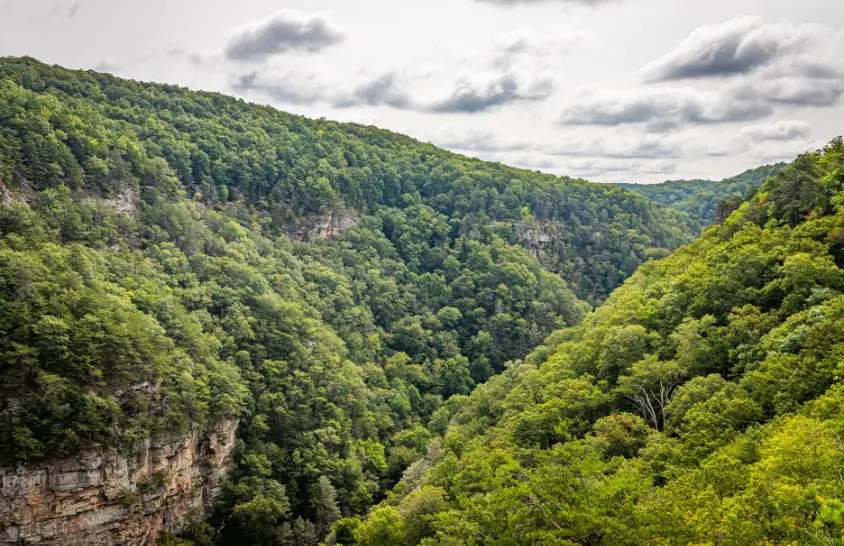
607	90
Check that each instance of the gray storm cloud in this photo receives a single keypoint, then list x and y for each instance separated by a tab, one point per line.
285	30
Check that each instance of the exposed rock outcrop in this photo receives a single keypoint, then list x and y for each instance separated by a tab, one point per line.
534	238
325	226
126	202
107	496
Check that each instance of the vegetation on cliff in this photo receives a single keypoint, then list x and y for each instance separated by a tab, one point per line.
701	404
160	269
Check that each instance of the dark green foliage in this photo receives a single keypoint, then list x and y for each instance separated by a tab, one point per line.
704	200
100	133
162	268
701	404
165	264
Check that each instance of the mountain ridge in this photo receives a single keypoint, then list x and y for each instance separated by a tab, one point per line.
159	237
701	198
700	404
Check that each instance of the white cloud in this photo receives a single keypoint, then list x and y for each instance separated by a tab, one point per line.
481	92
285	30
780	130
662	109
774	67
615	169
515	69
736	46
477	140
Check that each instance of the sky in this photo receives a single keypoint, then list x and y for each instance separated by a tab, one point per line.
608	90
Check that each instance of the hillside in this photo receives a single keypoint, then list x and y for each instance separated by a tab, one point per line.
700	199
701	404
102	134
173	260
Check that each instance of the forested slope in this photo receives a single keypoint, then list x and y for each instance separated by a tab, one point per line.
701	404
94	132
161	268
701	199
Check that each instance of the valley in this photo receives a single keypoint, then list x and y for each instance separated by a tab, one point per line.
224	324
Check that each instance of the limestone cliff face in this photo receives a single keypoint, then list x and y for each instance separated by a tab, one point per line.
106	496
324	226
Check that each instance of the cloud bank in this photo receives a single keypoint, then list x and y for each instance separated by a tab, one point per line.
515	69
664	109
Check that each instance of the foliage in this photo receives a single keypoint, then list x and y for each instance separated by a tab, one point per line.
704	200
170	259
701	404
94	132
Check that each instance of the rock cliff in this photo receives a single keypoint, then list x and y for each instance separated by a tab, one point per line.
325	226
107	496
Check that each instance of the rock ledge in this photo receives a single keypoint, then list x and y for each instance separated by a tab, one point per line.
105	496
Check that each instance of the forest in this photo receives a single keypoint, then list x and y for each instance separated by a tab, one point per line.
163	266
419	347
707	201
701	404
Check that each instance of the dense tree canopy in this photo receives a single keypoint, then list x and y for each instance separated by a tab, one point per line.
701	404
704	200
94	132
169	259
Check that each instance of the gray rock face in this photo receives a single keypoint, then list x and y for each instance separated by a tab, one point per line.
127	202
326	226
103	496
535	237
